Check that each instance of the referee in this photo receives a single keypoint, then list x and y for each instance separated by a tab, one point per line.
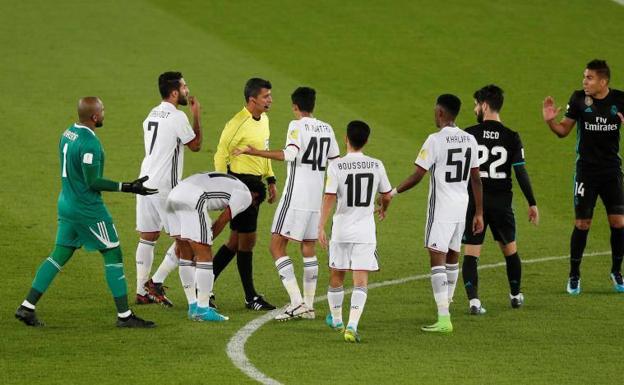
596	111
250	126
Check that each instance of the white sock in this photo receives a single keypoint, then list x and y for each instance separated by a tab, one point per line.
440	293
287	274
168	264
452	272
187	277
28	305
204	279
310	276
144	260
475	302
335	296
125	314
358	300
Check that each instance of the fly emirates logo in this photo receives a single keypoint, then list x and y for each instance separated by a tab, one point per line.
601	125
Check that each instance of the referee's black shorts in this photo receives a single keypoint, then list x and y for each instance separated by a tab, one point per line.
497	214
589	186
246	221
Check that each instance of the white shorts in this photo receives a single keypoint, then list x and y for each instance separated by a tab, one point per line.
353	256
442	236
150	212
185	221
299	225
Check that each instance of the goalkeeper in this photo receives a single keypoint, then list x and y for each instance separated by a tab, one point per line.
83	219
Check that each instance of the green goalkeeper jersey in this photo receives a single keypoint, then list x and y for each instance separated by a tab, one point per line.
82	161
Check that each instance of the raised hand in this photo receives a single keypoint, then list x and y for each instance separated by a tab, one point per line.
549	110
195	106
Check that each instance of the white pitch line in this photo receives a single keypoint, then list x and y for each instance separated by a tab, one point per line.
236	346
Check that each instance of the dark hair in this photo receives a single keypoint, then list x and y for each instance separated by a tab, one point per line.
357	132
450	103
492	95
253	87
601	68
168	82
256	185
304	98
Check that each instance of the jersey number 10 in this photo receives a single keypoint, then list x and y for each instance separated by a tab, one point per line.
354	189
316	153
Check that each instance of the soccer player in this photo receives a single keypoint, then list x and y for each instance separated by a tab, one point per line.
597	112
166	131
353	181
83	219
310	143
187	207
500	150
250	126
450	155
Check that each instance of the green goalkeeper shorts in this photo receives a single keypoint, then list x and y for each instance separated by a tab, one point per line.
100	235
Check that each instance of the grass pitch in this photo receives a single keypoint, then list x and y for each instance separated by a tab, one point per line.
381	62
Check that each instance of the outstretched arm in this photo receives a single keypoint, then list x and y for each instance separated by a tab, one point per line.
411	180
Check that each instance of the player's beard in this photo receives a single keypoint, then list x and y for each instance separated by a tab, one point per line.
480	116
182	100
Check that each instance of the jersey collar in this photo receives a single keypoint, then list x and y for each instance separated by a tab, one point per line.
85	127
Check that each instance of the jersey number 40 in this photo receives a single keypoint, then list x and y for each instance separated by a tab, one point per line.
316	153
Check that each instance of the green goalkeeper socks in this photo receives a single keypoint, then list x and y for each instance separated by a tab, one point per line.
113	267
48	269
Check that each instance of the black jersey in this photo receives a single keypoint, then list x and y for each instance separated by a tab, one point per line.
598	130
499	149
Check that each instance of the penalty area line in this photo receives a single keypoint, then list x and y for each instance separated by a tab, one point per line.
236	346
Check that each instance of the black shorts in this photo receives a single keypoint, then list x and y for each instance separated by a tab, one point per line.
587	189
497	214
246	221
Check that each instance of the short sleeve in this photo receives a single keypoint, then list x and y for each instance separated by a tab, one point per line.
184	131
91	153
384	184
293	138
331	185
572	109
474	148
240	200
334	150
517	154
426	156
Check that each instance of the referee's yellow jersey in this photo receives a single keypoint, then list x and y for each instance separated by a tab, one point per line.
240	131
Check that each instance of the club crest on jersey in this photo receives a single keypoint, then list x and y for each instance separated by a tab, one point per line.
588	100
614	110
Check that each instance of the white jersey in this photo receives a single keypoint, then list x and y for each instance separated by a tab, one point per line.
165	131
316	144
213	191
355	179
448	155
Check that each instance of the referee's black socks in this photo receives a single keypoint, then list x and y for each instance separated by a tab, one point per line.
617	248
221	260
471	276
245	269
514	272
577	247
